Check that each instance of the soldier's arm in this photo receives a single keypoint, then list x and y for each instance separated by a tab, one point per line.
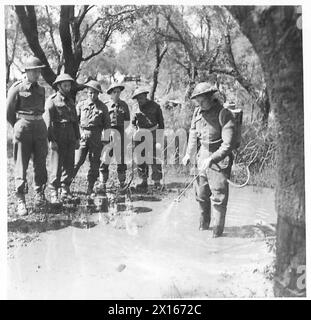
192	141
76	125
227	135
127	117
134	121
160	119
11	103
48	117
106	118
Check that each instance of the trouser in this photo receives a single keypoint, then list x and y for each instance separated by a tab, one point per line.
212	192
108	155
90	145
156	167
30	138
62	159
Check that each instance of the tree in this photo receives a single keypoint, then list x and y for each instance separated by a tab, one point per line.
277	39
207	46
75	30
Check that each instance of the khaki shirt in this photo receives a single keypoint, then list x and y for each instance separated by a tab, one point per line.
26	98
212	131
119	113
150	115
93	115
60	110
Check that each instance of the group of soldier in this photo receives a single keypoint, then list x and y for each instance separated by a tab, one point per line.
74	131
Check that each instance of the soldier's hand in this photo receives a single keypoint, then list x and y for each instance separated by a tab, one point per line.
53	145
206	164
77	146
186	160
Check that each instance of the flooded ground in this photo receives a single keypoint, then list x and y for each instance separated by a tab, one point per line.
150	250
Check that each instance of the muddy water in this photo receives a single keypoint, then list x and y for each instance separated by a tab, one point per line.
152	251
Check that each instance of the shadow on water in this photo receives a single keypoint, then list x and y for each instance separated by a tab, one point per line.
249	231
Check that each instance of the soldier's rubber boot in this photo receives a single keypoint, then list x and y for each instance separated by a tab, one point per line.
205	218
142	186
219	214
21	205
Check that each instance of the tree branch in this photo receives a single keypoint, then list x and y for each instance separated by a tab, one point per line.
28	21
65	36
51	34
93	54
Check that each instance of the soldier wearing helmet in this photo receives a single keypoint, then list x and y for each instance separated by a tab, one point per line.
25	106
149	117
63	134
213	126
93	118
120	117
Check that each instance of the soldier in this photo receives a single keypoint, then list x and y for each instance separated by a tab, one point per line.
214	128
93	117
120	118
63	133
149	117
25	106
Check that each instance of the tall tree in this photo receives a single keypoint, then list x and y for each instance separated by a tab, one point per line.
277	39
75	30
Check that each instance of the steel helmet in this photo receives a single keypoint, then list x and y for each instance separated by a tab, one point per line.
63	77
33	63
94	85
204	87
139	91
115	85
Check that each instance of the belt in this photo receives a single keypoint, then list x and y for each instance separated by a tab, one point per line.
29	116
63	124
92	128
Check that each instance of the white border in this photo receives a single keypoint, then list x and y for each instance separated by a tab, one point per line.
307	115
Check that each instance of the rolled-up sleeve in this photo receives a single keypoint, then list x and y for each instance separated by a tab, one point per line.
227	135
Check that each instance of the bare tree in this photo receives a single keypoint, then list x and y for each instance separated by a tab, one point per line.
73	32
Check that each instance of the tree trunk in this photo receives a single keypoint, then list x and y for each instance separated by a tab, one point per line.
278	43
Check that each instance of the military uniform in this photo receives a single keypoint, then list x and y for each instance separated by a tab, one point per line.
93	118
62	123
214	131
25	106
149	117
119	113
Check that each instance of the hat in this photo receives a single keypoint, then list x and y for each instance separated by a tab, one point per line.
204	87
139	91
94	85
115	85
63	77
33	63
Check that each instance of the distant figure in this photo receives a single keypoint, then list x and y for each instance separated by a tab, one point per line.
93	118
25	106
213	126
119	114
63	134
149	117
